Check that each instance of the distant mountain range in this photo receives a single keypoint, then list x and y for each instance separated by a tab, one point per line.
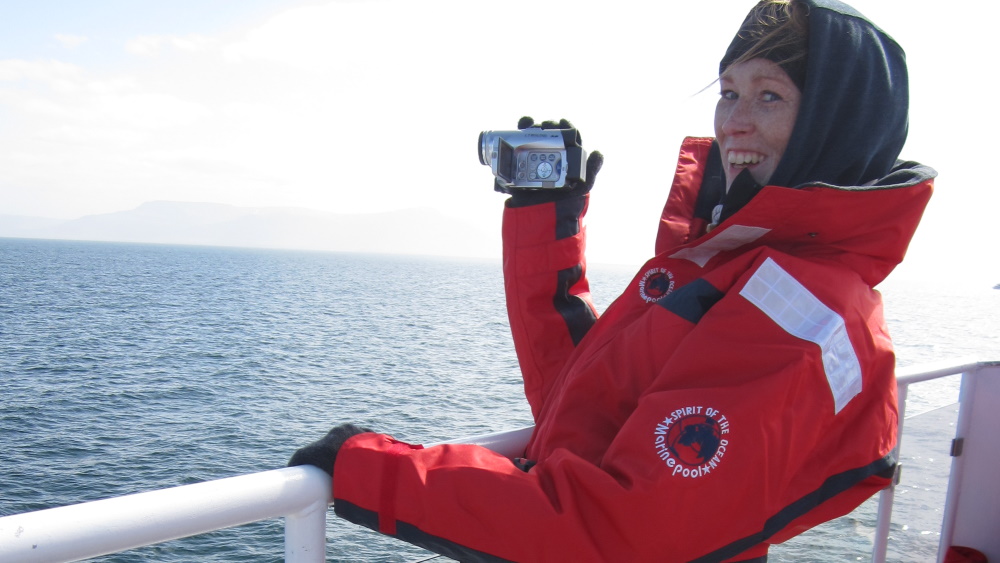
411	231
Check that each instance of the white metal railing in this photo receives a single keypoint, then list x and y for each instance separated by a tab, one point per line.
904	378
299	494
81	531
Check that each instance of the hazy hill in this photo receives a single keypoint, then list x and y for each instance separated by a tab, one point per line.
412	231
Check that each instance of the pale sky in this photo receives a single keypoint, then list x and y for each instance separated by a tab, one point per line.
358	106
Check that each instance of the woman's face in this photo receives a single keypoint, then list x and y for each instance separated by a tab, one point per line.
754	118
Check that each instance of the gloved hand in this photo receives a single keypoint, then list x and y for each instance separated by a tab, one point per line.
323	452
521	198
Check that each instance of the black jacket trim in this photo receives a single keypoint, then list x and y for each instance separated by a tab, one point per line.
713	185
830	488
411	534
691	301
577	314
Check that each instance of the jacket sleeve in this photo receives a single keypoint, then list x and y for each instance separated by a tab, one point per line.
752	442
548	298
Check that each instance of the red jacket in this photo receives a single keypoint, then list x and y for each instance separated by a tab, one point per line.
738	392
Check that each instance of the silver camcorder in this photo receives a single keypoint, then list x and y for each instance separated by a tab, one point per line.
534	158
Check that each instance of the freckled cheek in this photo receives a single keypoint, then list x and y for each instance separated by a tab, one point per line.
782	131
770	123
784	120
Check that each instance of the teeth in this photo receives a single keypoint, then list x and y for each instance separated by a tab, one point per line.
745	158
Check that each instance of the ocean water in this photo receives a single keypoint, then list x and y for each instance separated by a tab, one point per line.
126	368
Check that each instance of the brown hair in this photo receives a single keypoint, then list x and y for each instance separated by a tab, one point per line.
777	30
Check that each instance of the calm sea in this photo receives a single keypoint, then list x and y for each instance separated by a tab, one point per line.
126	368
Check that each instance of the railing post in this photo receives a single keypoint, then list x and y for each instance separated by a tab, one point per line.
888	494
305	531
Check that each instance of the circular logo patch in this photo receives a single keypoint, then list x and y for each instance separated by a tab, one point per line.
656	283
692	441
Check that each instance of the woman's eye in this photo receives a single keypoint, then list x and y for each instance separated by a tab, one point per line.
770	97
729	95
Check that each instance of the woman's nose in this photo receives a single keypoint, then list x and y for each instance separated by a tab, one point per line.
739	119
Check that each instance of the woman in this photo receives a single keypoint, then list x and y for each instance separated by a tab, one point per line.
741	389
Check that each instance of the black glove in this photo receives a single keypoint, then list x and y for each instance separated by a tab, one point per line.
522	198
323	452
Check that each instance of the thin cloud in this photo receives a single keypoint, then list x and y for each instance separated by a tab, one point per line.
58	76
145	45
152	45
70	41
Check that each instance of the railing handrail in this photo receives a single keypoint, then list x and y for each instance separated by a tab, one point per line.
90	529
299	494
928	371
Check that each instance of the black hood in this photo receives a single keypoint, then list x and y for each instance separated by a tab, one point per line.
852	119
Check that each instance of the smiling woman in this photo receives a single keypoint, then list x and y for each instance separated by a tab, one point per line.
762	76
755	375
754	118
